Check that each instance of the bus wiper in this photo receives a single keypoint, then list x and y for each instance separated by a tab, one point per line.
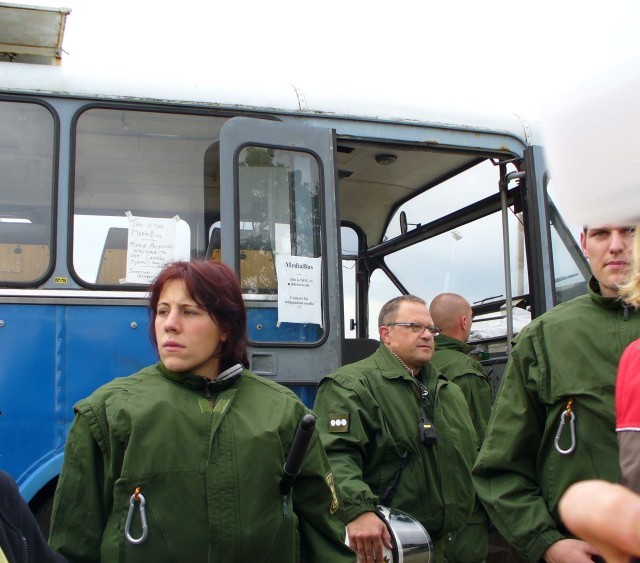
487	299
562	278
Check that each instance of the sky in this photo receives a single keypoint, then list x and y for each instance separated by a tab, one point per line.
506	55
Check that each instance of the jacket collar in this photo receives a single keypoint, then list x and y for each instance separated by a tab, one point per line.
197	382
391	368
444	342
607	302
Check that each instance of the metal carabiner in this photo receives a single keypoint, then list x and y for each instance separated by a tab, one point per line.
572	426
136	496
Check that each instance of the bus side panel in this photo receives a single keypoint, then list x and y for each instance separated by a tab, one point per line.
103	342
262	326
28	409
53	356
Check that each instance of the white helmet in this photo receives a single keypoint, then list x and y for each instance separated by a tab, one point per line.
411	542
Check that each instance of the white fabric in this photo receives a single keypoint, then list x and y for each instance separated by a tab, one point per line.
590	135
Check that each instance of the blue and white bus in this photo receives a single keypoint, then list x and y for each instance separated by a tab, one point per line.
326	208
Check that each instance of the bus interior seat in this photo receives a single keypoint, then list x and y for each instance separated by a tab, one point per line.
24	251
356	349
258	271
257	266
113	263
214	250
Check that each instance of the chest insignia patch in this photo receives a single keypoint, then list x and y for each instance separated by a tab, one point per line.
221	406
205	406
339	422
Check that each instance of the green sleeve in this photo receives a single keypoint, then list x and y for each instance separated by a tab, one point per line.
477	393
347	451
318	505
505	474
80	504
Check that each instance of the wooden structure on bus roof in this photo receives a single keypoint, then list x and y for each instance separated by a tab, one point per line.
31	34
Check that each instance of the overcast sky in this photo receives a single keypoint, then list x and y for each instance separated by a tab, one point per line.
495	54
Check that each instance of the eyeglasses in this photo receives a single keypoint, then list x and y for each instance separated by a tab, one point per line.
419	327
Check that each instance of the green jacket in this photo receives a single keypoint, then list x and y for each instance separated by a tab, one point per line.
451	357
379	406
569	353
470	543
208	460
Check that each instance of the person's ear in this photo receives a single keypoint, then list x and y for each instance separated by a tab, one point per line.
385	334
583	243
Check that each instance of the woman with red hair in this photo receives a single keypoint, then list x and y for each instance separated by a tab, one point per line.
182	461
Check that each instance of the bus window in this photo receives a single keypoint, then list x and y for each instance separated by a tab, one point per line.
26	192
279	208
111	234
381	290
466	188
467	258
570	267
147	165
349	245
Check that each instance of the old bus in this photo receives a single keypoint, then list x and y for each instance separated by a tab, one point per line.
325	210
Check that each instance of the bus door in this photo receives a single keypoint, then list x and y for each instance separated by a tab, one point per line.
279	232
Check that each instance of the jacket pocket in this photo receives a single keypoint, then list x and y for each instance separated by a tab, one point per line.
579	443
152	546
286	543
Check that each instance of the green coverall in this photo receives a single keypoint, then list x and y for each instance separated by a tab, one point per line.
563	364
470	543
208	460
378	402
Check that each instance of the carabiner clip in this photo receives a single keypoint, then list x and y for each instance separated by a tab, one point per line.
572	426
136	496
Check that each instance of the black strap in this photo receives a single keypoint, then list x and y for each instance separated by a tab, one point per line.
426	427
385	498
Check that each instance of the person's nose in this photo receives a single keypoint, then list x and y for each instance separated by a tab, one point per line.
172	322
618	242
426	334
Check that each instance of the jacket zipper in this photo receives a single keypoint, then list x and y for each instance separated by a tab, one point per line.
25	549
207	393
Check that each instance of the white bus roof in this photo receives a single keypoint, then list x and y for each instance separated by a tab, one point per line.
182	88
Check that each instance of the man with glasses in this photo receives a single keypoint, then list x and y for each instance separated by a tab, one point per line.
453	314
553	421
398	434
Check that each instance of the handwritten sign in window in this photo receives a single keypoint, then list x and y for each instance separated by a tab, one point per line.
299	289
151	245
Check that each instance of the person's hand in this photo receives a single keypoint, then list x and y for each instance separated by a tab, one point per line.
606	515
569	551
367	533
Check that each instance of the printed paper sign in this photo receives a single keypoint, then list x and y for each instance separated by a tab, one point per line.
299	289
152	243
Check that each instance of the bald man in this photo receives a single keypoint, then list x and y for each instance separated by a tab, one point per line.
452	313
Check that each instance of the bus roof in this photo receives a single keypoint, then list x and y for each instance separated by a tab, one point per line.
181	87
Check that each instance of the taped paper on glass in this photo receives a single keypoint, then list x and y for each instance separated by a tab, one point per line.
151	244
299	289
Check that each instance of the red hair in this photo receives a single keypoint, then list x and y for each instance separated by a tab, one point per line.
215	288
